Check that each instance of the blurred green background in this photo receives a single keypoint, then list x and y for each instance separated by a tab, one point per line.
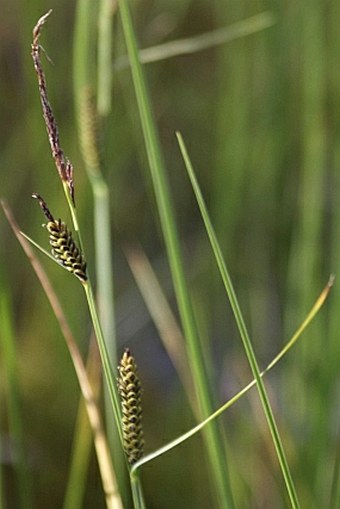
260	115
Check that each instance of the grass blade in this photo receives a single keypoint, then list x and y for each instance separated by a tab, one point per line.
89	123
80	459
82	439
8	349
174	443
106	11
242	329
162	316
215	446
335	491
113	500
200	42
2	496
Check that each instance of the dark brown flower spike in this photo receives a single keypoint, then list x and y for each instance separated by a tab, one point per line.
130	391
64	166
64	249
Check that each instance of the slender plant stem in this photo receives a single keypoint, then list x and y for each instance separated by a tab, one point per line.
90	115
106	10
88	136
174	443
8	351
213	435
335	489
200	42
80	458
242	329
2	496
82	439
137	493
74	217
108	373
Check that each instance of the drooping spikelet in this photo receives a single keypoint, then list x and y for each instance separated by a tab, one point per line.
130	391
64	249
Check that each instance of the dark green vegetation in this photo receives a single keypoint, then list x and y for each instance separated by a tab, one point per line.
260	116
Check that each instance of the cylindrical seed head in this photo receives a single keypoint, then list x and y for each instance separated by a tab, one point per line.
130	391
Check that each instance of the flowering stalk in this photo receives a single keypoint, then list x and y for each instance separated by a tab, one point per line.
130	391
64	248
64	166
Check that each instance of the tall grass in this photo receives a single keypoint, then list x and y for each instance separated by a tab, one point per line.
260	115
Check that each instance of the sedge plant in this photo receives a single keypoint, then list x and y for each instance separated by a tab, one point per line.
68	251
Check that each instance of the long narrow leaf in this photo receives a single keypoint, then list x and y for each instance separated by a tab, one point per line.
200	42
242	329
108	476
214	441
174	443
15	417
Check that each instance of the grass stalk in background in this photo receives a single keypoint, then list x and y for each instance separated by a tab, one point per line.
242	330
104	460
333	351
162	316
106	11
106	342
214	441
306	262
232	110
2	495
88	128
200	42
335	488
80	459
15	418
174	443
82	439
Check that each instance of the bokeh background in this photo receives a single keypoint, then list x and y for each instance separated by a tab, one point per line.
260	115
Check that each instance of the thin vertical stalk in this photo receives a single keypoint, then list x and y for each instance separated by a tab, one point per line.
335	488
232	124
106	10
80	459
2	498
333	357
104	354
242	329
112	496
82	439
137	493
88	135
8	349
90	120
308	249
174	443
214	441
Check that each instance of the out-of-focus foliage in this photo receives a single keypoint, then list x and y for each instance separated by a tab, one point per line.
260	117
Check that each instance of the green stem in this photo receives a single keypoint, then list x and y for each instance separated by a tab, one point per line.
313	312
242	329
9	358
74	216
214	438
103	263
104	57
137	493
108	373
198	43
